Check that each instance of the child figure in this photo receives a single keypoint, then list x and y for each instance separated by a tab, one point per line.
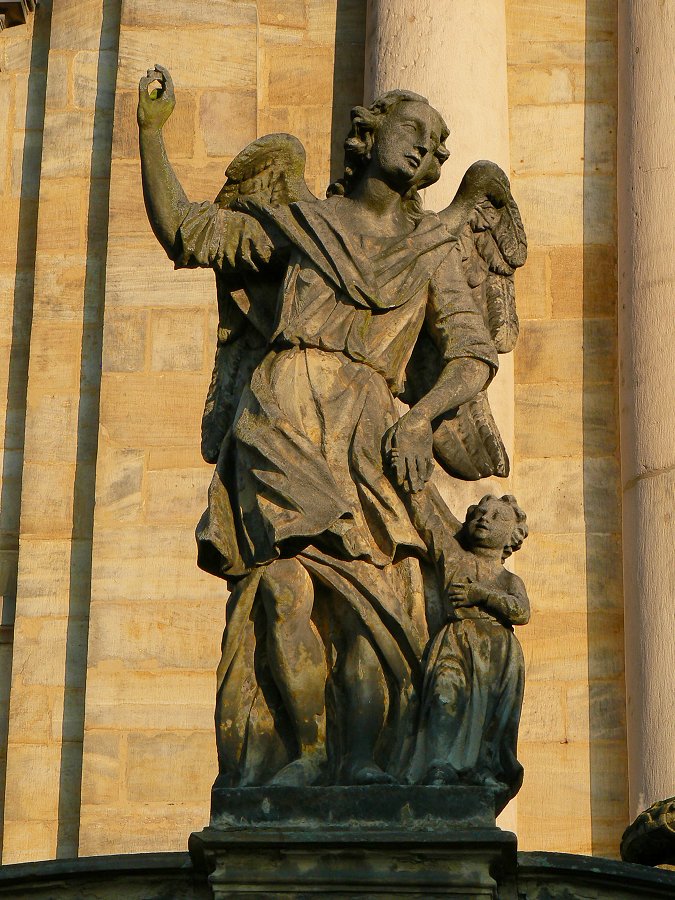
474	669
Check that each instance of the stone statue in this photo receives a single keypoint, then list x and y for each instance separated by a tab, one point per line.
474	669
329	310
650	839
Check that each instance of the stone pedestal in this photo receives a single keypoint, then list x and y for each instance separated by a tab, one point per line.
363	842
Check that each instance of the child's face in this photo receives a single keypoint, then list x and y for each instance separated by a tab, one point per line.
491	524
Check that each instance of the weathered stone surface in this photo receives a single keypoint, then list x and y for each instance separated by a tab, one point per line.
172	418
124	343
102	783
584	209
583	281
170	876
563	652
142	700
554	84
56	95
567	350
156	762
580	422
473	862
547	141
149	638
70	133
153	560
248	538
94	79
146	13
119	482
650	839
291	77
193	60
283	13
563	280
358	810
543	876
177	341
187	489
146	876
228	121
61	222
569	21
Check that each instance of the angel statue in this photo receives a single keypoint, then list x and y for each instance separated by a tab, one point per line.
328	311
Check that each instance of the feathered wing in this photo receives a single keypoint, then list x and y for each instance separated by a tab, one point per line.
486	220
269	171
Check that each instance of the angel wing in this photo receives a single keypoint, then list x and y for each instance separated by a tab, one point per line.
486	220
269	171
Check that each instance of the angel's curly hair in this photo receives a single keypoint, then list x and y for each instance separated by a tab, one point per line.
359	144
520	531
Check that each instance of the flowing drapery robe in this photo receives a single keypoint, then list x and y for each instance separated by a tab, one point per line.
300	470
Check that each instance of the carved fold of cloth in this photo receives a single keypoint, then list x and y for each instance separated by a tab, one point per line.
300	470
470	706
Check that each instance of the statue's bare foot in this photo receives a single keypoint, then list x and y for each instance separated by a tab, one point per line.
302	772
368	773
440	774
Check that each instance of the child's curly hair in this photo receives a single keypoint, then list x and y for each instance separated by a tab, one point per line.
359	144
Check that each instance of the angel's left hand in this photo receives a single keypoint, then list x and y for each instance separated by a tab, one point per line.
408	449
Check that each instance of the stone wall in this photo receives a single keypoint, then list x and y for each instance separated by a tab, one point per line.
121	351
562	98
20	156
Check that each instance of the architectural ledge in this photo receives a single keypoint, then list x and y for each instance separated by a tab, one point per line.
15	12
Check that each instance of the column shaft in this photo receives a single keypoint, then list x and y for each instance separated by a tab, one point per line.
646	176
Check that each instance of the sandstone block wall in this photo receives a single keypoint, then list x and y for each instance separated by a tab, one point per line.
563	106
109	644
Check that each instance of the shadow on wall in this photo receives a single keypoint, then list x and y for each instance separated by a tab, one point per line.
17	376
601	480
87	438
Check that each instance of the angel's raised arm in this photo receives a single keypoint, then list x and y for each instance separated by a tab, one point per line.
165	199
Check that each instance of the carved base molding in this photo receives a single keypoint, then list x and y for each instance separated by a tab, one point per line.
352	863
375	841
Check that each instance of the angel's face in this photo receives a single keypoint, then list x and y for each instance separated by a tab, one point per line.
406	148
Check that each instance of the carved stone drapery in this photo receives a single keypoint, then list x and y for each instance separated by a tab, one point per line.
321	514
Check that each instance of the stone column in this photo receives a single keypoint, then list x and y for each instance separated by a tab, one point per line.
453	52
646	179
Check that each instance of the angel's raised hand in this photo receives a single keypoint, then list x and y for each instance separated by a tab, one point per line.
155	107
